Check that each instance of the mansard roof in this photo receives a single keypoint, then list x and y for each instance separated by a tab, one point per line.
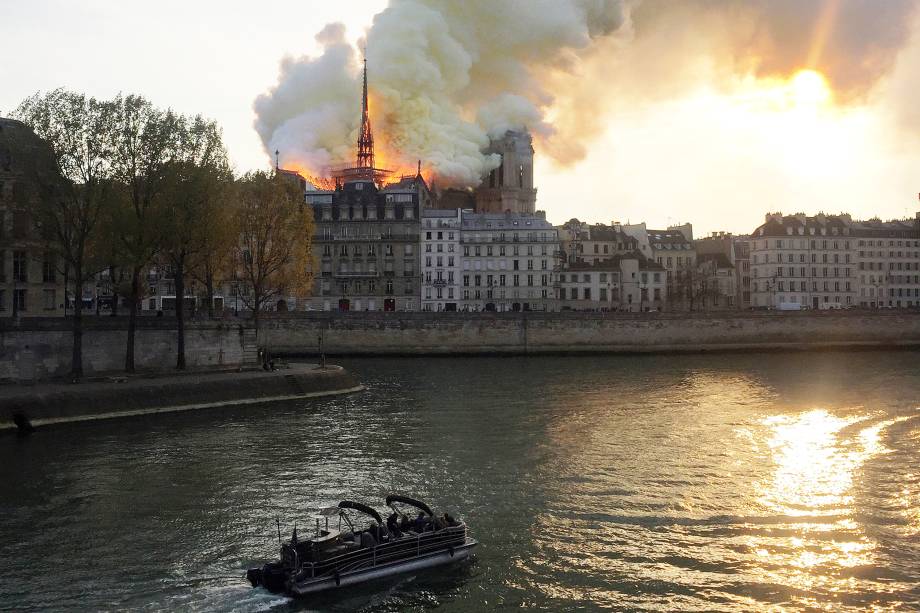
803	225
666	237
601	232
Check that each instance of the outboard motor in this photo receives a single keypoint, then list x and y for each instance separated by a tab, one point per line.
272	577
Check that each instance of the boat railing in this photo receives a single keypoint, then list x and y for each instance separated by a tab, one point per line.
385	553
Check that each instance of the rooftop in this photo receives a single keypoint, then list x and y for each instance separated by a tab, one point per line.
669	237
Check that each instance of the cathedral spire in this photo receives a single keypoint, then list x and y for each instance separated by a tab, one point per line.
366	139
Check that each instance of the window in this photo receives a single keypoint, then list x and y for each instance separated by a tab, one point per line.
20	267
50	299
19	300
587	293
2	300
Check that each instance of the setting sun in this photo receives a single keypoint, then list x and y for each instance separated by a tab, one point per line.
809	89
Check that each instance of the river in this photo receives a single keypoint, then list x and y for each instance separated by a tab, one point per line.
706	482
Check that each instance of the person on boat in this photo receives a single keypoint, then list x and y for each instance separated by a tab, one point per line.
450	521
393	525
420	522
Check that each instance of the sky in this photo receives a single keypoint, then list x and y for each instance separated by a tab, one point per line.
707	111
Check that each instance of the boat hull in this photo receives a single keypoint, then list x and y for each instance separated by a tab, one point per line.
305	587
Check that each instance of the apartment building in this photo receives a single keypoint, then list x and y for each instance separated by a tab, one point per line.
508	262
808	261
589	243
31	273
366	242
441	259
888	261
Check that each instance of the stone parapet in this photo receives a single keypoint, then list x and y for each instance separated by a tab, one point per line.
570	332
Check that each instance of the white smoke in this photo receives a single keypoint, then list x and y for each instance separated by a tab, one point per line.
444	76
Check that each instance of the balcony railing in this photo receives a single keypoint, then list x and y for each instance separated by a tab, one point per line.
357	273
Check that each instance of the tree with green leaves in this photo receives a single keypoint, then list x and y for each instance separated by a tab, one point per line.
214	263
143	142
274	251
73	202
196	185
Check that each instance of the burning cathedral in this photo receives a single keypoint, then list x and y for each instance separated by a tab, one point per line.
368	221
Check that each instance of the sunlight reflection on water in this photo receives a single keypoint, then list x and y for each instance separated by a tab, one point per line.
739	483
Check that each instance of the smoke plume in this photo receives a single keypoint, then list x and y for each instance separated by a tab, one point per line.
444	76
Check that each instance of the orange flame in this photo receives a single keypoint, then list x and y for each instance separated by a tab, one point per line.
386	157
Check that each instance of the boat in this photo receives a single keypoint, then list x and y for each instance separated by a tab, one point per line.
336	557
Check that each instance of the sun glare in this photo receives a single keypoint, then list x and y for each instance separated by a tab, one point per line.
809	89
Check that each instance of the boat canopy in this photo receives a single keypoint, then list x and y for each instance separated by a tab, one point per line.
363	508
418	504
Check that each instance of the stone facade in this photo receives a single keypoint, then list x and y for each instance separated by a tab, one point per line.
31	276
803	260
366	244
673	250
888	260
741	249
508	262
509	187
582	242
831	261
441	259
621	283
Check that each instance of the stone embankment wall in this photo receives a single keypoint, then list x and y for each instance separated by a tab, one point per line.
535	333
56	403
37	349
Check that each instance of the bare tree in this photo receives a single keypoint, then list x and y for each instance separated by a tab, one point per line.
76	127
